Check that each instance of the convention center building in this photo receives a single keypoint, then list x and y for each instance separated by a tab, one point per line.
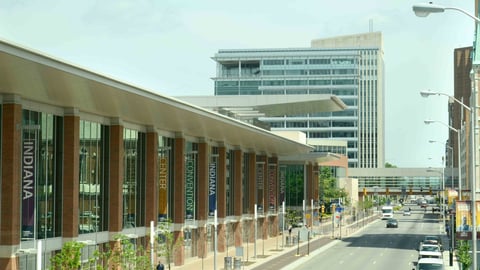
85	157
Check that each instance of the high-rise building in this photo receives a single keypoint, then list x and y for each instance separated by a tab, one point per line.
350	67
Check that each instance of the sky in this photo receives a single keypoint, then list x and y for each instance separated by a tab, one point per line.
165	46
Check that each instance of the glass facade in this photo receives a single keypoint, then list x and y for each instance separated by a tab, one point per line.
133	179
350	74
42	148
294	185
93	183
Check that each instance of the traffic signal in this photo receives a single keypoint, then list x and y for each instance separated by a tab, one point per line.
388	191
411	191
364	191
323	208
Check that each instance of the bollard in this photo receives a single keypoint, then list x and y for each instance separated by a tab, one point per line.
228	264
237	263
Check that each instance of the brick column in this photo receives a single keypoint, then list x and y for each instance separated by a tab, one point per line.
115	223
315	182
179	198
152	180
221	198
310	191
273	192
10	185
237	195
71	184
202	199
252	188
264	220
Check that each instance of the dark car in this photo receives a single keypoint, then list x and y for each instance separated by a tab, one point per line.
392	223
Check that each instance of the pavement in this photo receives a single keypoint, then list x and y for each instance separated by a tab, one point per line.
275	253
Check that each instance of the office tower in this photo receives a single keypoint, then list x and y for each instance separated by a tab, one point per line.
350	67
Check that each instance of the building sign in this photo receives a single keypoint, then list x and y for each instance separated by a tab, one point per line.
28	188
271	187
212	188
162	191
189	187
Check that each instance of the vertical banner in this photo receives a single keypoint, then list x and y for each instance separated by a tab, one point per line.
463	222
28	188
282	183
272	171
189	187
212	188
162	191
260	183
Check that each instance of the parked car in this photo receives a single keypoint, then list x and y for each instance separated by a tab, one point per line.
431	240
392	223
429	264
407	212
430	251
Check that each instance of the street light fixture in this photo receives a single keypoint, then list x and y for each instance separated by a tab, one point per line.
428	121
451	164
424	10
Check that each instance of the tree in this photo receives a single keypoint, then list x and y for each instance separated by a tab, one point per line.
388	165
167	244
69	256
463	254
328	184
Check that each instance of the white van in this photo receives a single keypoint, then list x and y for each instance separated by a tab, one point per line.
387	212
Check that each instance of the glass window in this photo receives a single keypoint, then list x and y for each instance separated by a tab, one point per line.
297	82
319	61
273	72
295	62
320	71
319	82
133	179
92	197
296	72
42	148
273	62
273	82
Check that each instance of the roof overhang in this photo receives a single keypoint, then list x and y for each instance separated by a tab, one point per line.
270	105
313	157
42	79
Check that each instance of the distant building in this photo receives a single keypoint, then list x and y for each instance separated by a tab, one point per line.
350	67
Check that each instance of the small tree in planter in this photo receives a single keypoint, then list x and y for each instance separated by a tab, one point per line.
166	241
124	255
69	256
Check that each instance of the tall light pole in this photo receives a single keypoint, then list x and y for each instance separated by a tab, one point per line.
423	10
442	172
451	163
459	153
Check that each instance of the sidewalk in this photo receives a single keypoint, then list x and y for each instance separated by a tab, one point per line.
272	253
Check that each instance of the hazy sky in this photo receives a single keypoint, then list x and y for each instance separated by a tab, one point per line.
165	46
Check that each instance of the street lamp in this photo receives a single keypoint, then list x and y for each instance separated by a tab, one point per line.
442	172
424	10
459	153
451	154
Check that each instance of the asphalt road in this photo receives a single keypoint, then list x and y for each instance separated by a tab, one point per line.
377	247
